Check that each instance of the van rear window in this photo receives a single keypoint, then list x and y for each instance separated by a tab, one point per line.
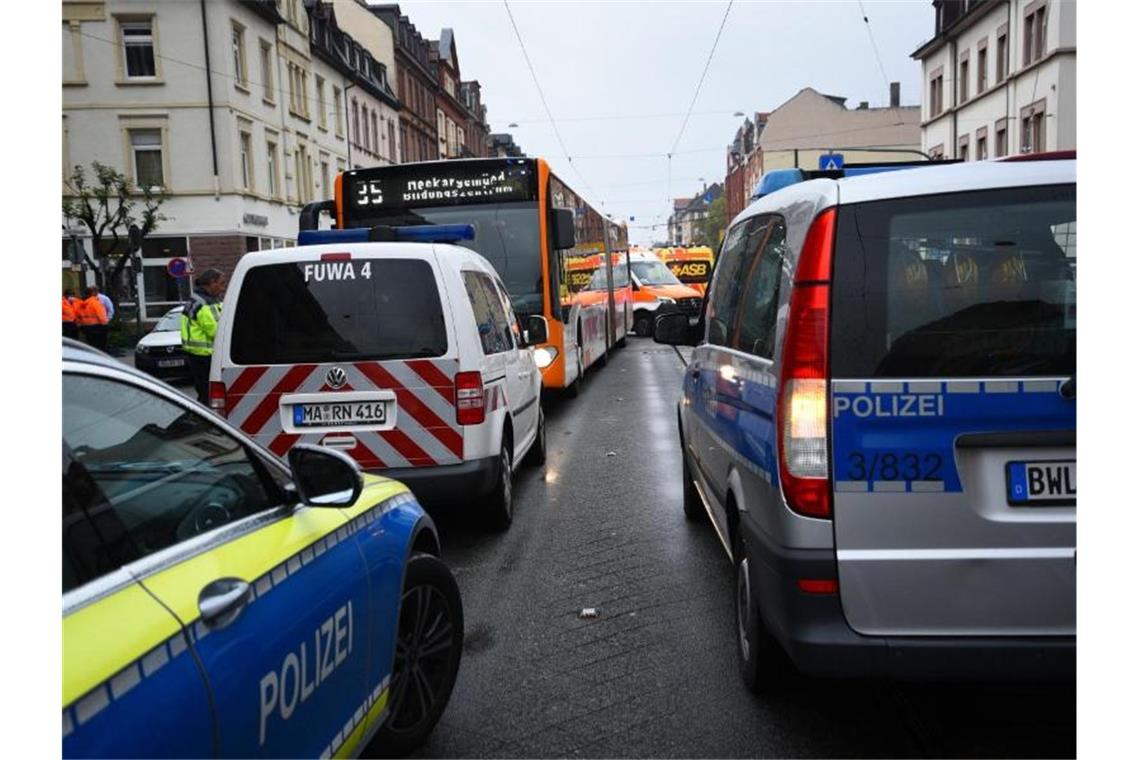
971	284
328	311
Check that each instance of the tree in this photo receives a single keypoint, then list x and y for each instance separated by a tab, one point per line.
712	226
106	205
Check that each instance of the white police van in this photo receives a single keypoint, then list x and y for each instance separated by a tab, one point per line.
880	420
406	355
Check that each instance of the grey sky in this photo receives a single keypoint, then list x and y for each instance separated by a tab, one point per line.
642	60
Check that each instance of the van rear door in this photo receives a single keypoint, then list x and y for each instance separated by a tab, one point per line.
346	350
953	429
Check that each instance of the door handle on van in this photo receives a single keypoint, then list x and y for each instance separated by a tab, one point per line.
221	601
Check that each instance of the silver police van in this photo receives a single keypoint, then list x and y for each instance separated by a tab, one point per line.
879	419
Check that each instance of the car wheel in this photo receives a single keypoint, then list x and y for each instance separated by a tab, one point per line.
429	644
643	324
691	499
536	457
763	664
499	509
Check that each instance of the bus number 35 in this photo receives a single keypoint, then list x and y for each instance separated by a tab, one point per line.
369	193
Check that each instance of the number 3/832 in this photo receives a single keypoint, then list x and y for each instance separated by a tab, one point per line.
891	465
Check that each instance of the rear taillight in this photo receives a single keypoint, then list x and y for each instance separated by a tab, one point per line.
218	397
469	398
802	409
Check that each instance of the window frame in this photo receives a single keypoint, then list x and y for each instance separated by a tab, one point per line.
964	76
268	88
964	147
983	65
122	21
1001	62
273	161
237	50
937	87
245	157
772	221
338	117
134	129
322	105
1001	138
143	567
752	226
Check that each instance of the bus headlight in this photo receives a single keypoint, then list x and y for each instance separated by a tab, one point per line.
545	356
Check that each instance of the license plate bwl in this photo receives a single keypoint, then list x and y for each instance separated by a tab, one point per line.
1047	483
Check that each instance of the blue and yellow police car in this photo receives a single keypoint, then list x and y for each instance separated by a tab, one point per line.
217	601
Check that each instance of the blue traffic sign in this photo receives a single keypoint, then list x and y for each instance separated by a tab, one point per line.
831	161
178	267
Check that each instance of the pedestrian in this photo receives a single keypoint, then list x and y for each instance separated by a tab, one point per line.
92	319
70	326
199	325
107	305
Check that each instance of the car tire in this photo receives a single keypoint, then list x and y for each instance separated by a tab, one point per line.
536	457
763	664
498	505
643	324
691	500
429	645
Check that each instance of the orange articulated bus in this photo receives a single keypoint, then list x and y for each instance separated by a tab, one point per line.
515	205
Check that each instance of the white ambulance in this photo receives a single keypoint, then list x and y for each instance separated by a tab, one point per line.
407	356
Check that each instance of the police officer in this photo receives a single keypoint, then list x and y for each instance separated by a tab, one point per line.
199	325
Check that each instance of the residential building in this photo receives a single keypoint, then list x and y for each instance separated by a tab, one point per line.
689	213
811	124
415	85
367	110
450	115
477	129
372	105
212	104
1000	77
743	164
502	145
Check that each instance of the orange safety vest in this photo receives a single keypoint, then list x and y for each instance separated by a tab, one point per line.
90	311
68	310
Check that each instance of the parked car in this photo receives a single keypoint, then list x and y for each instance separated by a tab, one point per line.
408	357
220	602
159	352
879	419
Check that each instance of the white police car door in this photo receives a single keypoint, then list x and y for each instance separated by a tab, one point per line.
521	370
953	340
499	362
274	600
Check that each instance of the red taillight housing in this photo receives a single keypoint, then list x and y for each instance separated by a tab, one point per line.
218	398
469	409
801	414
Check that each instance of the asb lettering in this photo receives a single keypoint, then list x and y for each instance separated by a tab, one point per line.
304	670
891	405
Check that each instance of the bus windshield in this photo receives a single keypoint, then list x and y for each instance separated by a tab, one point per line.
506	234
653	273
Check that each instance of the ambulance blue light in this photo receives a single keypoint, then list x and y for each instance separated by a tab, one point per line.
420	233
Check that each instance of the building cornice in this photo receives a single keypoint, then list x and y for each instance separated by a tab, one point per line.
935	44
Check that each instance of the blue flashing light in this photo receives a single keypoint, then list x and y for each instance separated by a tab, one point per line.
321	237
777	180
420	233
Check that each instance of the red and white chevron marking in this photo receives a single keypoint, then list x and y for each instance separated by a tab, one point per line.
425	435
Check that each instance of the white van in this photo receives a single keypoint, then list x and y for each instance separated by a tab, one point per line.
405	356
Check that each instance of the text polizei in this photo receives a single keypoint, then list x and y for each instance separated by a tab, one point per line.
891	405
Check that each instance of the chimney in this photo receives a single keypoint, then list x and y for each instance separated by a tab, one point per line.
863	105
894	94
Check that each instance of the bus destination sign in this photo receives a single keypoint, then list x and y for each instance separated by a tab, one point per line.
439	184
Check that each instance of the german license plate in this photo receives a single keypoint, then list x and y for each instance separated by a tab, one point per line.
166	363
1049	483
340	413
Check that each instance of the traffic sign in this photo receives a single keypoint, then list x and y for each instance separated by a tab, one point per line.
831	161
178	268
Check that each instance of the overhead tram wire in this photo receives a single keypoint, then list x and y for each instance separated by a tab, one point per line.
875	48
545	106
692	104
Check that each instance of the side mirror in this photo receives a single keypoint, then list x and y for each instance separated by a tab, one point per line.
674	330
535	331
324	477
562	228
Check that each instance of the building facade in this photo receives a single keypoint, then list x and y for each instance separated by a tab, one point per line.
238	109
415	86
450	115
688	215
1000	77
478	132
503	145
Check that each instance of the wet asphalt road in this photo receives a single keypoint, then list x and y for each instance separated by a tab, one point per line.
654	674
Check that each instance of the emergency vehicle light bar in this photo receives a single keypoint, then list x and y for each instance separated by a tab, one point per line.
420	233
778	179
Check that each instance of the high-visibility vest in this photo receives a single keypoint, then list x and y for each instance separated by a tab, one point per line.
200	325
90	311
68	310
